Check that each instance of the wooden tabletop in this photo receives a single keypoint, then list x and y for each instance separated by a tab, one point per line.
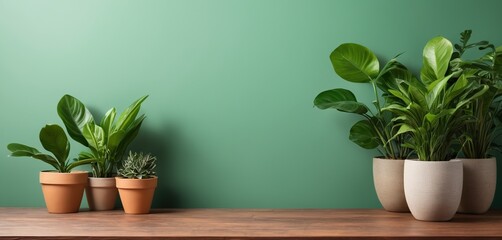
28	223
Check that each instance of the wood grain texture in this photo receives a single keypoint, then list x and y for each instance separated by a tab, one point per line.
28	223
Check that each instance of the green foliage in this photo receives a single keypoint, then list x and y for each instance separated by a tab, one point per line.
138	166
358	64
486	70
54	140
108	140
432	110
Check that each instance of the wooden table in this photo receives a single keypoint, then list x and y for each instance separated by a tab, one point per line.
29	223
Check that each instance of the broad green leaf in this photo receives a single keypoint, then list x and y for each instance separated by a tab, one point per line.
74	115
21	150
54	140
130	134
95	136
433	96
363	134
355	63
430	117
460	86
85	155
115	139
404	129
107	123
436	57
340	99
399	94
129	115
50	160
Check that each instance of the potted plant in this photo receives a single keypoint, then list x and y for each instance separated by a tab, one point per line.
356	63
136	182
433	111
106	141
62	188
480	168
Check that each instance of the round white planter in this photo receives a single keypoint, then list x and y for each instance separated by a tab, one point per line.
433	188
388	180
480	180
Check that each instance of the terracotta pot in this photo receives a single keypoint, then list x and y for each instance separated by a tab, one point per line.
63	191
101	193
480	180
433	188
388	180
136	195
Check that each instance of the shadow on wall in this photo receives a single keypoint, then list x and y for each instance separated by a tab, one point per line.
162	143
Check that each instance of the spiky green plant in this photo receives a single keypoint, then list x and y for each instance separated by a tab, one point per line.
482	131
138	166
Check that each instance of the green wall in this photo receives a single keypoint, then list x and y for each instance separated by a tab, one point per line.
231	85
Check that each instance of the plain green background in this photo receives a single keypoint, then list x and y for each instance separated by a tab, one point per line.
231	84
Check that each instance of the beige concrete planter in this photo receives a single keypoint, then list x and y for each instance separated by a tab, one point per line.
63	192
101	193
480	180
433	188
136	195
388	180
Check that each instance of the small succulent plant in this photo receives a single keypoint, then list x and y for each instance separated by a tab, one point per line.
138	166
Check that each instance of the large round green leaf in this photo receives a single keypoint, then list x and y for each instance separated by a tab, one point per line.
75	116
54	140
436	57
363	134
95	136
341	99
355	63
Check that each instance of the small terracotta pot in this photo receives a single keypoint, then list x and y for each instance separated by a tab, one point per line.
388	180
136	195
101	193
480	180
433	188
63	191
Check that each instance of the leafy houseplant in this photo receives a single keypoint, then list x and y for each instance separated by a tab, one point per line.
62	189
358	64
54	140
480	174
106	142
480	133
433	112
136	182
